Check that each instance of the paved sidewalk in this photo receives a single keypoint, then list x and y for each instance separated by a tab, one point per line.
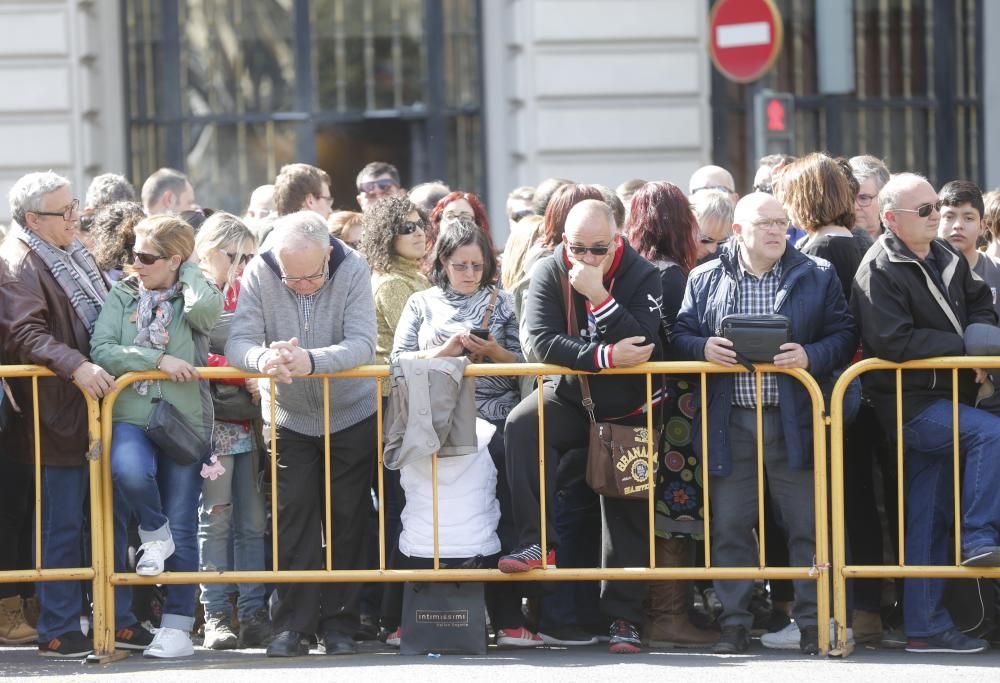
544	665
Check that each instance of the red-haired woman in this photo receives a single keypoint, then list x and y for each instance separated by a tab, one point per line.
452	208
661	227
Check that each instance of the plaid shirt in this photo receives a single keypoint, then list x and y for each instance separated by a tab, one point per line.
306	308
756	296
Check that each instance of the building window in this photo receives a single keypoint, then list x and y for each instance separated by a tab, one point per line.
230	90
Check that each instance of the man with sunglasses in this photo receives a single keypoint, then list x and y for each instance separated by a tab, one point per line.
306	308
616	295
914	297
376	180
51	292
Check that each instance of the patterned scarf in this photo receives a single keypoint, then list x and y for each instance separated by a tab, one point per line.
153	315
86	301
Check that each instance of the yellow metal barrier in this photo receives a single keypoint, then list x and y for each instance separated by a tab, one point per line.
841	570
818	572
103	636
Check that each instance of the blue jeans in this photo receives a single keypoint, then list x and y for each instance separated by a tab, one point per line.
232	510
163	496
930	506
64	493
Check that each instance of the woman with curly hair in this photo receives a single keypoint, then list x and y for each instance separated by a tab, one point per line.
112	230
661	227
393	241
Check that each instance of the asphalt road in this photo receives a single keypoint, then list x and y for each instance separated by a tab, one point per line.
544	665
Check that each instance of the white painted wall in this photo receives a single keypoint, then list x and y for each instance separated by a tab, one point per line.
595	91
61	95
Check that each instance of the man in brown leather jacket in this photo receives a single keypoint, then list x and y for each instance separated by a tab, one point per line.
51	291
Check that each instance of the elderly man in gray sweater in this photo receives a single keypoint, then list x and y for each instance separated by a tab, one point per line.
306	308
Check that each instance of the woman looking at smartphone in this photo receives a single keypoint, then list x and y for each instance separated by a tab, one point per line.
465	313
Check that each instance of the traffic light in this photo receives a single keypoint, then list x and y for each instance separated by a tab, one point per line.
774	123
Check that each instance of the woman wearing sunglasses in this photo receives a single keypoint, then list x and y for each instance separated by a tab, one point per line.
232	511
447	320
155	319
452	208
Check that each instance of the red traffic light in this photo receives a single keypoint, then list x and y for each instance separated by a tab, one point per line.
775	115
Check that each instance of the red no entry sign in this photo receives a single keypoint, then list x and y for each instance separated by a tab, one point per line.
745	38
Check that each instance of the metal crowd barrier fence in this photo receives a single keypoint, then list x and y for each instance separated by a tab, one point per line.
818	572
843	571
96	571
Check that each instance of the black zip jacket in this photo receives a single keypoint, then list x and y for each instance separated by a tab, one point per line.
633	310
904	316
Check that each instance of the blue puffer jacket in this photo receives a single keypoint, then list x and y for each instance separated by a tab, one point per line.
810	295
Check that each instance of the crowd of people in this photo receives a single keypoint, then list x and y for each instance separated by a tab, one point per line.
855	261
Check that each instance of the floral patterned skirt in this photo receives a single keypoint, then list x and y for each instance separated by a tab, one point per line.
680	508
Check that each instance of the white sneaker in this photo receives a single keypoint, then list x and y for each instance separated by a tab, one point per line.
788	637
169	643
152	555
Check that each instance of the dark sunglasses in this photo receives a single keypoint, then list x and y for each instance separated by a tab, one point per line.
146	259
244	259
580	250
924	210
409	227
383	185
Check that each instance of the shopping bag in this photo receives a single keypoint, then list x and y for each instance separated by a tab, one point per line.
443	618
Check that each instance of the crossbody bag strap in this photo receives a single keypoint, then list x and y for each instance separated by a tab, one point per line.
574	330
489	308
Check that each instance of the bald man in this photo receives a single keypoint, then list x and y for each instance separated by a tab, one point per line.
757	274
616	295
713	179
261	203
915	297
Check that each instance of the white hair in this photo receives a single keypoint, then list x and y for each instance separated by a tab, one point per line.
888	196
28	191
297	230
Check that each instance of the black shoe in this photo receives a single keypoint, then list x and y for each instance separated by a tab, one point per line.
367	629
255	630
952	640
288	644
338	644
809	640
68	645
134	637
733	640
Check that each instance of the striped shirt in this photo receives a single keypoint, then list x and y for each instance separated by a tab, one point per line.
755	296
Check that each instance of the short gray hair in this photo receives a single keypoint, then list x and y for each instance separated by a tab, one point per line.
108	188
28	191
302	228
866	166
888	196
713	206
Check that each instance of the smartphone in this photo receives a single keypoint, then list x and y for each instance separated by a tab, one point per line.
480	332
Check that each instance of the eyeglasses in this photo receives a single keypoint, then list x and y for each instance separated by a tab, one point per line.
776	223
864	199
307	278
463	267
244	259
409	227
580	250
924	210
521	214
146	259
451	216
703	239
383	185
717	188
66	214
326	197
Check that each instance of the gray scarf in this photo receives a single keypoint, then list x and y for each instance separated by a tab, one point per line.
81	297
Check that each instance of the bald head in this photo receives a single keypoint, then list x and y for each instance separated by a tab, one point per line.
591	216
712	178
754	205
261	202
760	226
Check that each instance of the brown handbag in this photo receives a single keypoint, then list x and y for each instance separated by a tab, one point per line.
617	462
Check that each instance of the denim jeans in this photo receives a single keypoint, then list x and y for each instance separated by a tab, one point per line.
163	496
232	517
930	506
64	493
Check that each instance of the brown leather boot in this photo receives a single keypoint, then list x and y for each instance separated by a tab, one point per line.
669	625
14	630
